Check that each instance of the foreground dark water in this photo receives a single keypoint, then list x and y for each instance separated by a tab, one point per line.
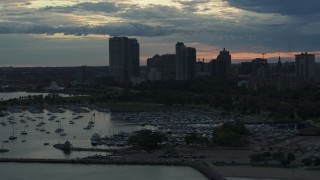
17	171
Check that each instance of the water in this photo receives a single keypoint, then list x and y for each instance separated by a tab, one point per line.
241	178
15	171
79	137
34	147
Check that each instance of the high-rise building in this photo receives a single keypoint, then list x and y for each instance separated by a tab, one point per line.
225	57
305	67
221	67
153	68
185	62
161	67
168	66
124	58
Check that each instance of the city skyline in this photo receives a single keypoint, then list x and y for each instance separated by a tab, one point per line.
60	33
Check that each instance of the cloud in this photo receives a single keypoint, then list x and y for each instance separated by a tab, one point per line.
284	7
114	29
191	5
107	7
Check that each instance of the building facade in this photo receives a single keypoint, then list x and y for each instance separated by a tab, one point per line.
124	58
185	62
305	67
221	67
161	67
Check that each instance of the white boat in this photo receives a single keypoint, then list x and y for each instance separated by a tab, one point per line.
58	130
12	137
23	133
63	134
71	122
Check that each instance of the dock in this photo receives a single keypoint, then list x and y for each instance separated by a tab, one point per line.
63	148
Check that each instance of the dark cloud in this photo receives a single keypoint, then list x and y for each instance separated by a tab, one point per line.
114	29
154	12
284	7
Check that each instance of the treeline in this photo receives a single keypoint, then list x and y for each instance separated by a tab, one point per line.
287	105
49	99
228	135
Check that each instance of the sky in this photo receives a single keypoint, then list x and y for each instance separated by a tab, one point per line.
76	32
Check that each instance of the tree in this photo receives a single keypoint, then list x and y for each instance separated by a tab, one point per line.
307	161
257	158
279	156
147	140
231	135
291	157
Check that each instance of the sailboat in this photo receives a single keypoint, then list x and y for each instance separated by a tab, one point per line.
24	131
59	129
92	122
13	137
3	123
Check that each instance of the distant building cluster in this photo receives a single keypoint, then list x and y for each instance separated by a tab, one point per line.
183	65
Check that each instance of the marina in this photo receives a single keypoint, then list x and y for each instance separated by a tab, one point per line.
28	134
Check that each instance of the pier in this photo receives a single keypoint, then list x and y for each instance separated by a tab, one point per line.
64	148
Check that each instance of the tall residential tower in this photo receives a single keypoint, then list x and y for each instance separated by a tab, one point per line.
124	58
305	67
185	62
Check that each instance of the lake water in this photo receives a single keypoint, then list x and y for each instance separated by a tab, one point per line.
16	171
34	147
241	178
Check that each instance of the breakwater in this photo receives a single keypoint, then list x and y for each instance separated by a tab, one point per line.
63	148
200	166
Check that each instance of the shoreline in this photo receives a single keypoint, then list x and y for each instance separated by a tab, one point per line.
201	167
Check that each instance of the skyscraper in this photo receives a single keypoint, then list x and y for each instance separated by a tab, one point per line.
185	62
124	58
221	67
305	67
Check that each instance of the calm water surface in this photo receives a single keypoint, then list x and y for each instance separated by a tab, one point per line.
34	147
239	178
13	171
